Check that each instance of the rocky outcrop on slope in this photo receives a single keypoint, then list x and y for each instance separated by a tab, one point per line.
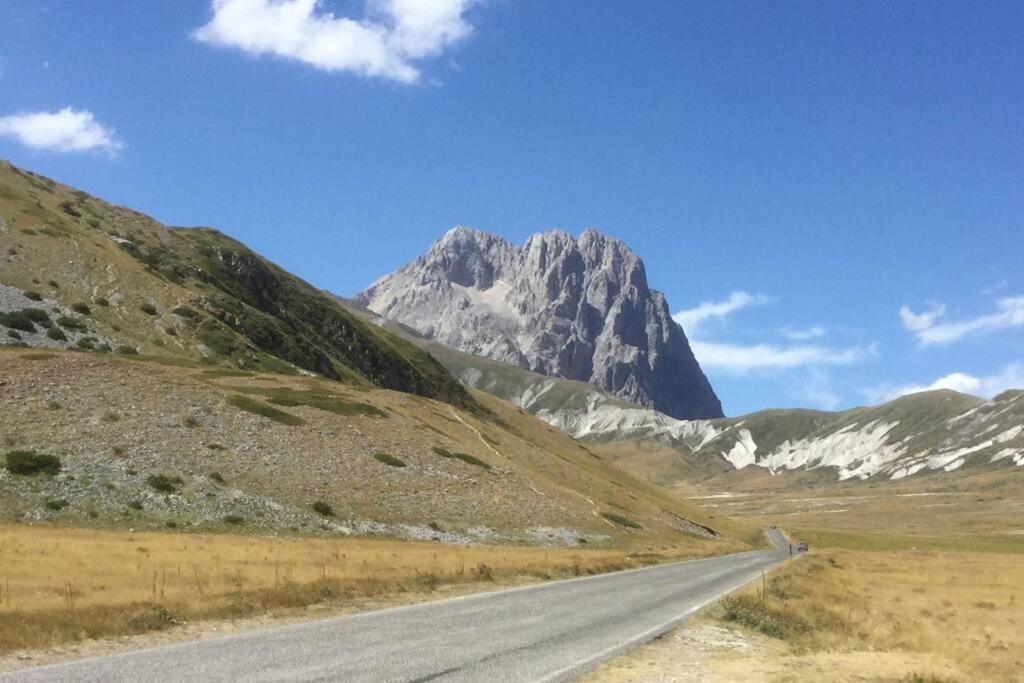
578	308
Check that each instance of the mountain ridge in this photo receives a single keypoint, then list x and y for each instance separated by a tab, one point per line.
193	292
573	307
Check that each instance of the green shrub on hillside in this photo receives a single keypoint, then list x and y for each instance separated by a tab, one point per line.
148	309
620	520
101	301
125	350
56	334
323	508
389	459
34	296
464	457
185	312
17	320
32	462
165	483
262	409
69	323
82	308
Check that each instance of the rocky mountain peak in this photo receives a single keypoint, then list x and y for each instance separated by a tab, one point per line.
574	307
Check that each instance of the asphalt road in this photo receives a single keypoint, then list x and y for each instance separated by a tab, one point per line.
547	632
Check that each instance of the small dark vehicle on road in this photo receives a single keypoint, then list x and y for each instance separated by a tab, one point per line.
801	547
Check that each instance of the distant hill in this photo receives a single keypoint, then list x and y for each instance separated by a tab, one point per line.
927	432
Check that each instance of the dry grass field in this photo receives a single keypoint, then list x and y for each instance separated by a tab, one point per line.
961	506
59	585
854	615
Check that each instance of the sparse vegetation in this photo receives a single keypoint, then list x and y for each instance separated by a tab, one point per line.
464	457
234	520
81	308
101	301
148	309
262	409
754	613
126	350
389	459
165	483
217	477
28	463
620	520
34	296
55	504
69	323
185	312
323	508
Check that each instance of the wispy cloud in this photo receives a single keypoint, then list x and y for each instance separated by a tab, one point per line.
1010	377
385	43
693	318
740	358
915	322
803	334
817	390
744	358
930	330
67	130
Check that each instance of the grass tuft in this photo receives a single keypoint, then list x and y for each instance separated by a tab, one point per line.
389	459
620	520
262	409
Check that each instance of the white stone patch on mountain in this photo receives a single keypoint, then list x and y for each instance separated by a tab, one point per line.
743	452
854	452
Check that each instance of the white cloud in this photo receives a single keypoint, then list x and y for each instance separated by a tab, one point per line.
817	389
930	331
692	318
739	358
803	334
67	130
744	358
385	43
1010	377
915	322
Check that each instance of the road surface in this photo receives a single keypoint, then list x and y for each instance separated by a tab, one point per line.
547	632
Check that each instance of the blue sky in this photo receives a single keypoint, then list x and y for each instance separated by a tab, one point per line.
830	194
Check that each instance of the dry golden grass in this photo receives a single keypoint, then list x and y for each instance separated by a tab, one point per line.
69	584
843	616
954	616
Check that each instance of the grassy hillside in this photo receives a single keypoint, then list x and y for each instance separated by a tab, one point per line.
109	278
152	442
